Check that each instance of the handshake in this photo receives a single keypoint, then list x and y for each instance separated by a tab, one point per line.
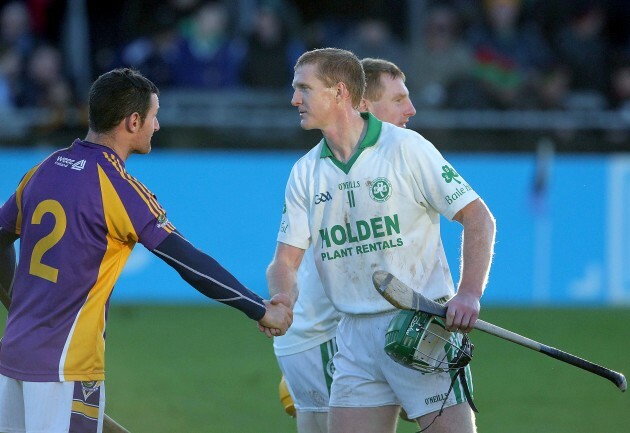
278	317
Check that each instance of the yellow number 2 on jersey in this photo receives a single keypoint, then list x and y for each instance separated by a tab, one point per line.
38	268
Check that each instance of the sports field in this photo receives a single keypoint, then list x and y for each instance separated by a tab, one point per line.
174	369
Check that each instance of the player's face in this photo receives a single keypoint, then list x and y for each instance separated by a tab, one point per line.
313	99
394	106
150	126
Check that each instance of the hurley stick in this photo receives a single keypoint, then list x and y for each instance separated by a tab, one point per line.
402	296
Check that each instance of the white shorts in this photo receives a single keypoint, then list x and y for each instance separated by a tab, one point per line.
51	407
365	376
309	375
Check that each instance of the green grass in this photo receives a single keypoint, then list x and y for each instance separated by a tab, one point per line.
208	369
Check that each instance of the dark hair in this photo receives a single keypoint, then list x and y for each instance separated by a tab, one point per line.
117	94
335	65
373	69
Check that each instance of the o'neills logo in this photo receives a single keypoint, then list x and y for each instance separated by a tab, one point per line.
436	398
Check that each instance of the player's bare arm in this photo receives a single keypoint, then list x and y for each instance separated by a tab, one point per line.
282	272
282	279
477	251
207	276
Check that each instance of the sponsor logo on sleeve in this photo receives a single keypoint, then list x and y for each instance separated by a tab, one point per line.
162	220
449	174
459	191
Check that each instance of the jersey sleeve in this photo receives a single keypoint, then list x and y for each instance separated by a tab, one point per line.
207	276
294	228
10	211
132	212
438	181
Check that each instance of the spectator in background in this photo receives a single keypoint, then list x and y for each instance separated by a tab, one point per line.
15	28
44	84
315	35
620	82
155	53
207	55
554	87
620	97
441	60
10	68
617	28
120	25
509	55
17	41
372	37
271	51
583	48
549	15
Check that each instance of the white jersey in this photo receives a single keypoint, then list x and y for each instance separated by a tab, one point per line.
314	317
379	211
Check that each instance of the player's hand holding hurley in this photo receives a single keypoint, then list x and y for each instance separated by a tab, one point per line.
463	311
278	317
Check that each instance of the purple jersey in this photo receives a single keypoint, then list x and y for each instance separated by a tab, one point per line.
78	214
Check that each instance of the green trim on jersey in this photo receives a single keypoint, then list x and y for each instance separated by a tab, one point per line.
370	139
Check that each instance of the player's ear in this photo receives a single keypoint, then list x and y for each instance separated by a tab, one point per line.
364	105
342	91
132	122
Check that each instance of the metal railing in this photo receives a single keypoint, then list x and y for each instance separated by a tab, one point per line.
256	112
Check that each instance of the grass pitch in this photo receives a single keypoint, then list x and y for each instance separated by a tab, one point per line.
207	369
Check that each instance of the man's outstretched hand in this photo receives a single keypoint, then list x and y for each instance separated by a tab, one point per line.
278	317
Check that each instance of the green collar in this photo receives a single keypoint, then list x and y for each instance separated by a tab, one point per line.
370	139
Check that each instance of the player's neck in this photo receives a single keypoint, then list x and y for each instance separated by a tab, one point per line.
107	140
345	137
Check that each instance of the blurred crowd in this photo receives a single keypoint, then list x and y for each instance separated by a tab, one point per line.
484	54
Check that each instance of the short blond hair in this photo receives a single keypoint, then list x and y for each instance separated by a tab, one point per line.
335	65
374	69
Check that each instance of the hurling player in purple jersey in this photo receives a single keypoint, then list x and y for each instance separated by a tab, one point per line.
78	214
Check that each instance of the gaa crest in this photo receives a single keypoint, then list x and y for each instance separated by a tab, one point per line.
380	189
